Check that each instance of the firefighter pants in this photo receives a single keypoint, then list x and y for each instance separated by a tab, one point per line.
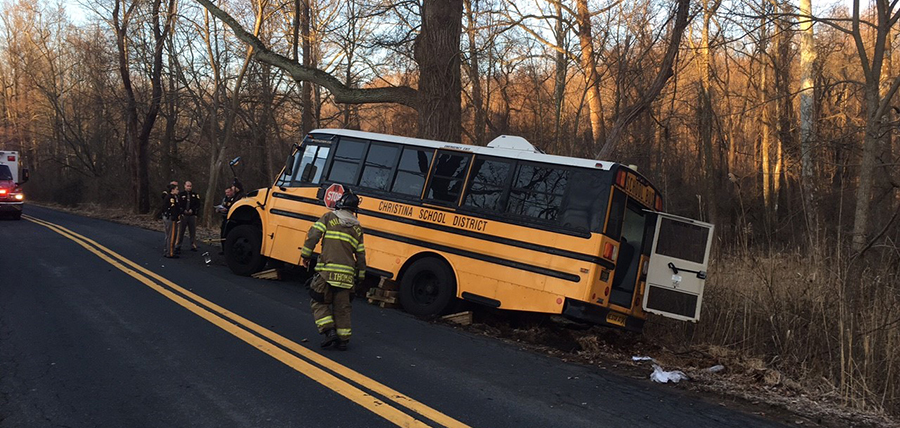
327	318
171	226
188	222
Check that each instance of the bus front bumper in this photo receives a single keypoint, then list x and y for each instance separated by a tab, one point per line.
600	315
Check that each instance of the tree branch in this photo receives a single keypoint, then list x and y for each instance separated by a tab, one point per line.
631	113
342	94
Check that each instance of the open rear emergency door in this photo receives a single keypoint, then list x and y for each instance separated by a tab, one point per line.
677	270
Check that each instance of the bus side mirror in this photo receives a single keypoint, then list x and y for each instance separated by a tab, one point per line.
25	176
289	166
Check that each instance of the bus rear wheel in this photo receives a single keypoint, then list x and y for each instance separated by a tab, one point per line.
427	288
242	250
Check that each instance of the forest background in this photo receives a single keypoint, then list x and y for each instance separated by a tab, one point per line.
775	120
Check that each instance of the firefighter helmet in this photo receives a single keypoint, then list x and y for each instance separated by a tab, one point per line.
348	201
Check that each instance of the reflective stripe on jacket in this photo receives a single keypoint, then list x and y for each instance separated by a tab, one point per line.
343	258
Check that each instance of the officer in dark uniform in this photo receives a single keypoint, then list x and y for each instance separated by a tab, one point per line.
340	266
190	204
171	214
232	195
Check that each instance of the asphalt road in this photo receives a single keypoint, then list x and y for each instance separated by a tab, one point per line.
88	340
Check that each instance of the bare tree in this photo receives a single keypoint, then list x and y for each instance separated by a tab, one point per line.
137	133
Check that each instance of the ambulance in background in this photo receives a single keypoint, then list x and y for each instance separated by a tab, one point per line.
12	176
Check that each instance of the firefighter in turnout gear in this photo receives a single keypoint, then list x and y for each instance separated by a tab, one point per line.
341	265
171	214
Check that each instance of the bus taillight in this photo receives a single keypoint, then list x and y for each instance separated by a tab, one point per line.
610	252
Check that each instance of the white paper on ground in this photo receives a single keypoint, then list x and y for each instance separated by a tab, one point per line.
661	376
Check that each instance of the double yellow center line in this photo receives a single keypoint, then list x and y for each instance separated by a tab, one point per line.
326	372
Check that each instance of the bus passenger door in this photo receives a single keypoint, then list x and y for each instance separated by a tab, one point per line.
291	207
677	268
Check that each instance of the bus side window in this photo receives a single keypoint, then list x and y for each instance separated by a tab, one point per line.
411	172
538	191
447	177
377	171
487	184
616	215
347	157
587	196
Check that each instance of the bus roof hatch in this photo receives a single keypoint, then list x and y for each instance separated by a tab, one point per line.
512	142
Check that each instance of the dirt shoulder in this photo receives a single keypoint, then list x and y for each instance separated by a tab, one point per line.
743	382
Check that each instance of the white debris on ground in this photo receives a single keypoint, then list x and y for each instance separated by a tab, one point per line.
716	368
661	376
636	358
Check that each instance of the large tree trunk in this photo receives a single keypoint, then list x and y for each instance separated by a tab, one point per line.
591	78
306	101
437	54
807	116
475	73
218	154
877	95
765	131
707	114
138	135
559	81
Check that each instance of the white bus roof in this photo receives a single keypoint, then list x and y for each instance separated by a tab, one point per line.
491	151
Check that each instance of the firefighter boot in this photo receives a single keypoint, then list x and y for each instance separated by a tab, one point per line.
330	338
342	345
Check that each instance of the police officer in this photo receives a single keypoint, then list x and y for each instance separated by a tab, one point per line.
171	214
341	265
190	204
230	198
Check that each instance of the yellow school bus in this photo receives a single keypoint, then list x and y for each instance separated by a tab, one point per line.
504	226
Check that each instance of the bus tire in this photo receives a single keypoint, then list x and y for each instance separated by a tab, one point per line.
242	250
427	288
17	215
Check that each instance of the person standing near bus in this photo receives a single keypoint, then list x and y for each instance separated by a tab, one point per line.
171	214
190	203
341	265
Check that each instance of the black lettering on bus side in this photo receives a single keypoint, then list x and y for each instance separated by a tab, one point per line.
432	216
469	223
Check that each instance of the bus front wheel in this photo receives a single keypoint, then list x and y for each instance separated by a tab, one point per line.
242	250
427	287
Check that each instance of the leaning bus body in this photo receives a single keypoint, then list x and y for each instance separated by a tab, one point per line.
502	226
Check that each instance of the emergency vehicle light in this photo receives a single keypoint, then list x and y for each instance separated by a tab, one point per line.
3	191
11	158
